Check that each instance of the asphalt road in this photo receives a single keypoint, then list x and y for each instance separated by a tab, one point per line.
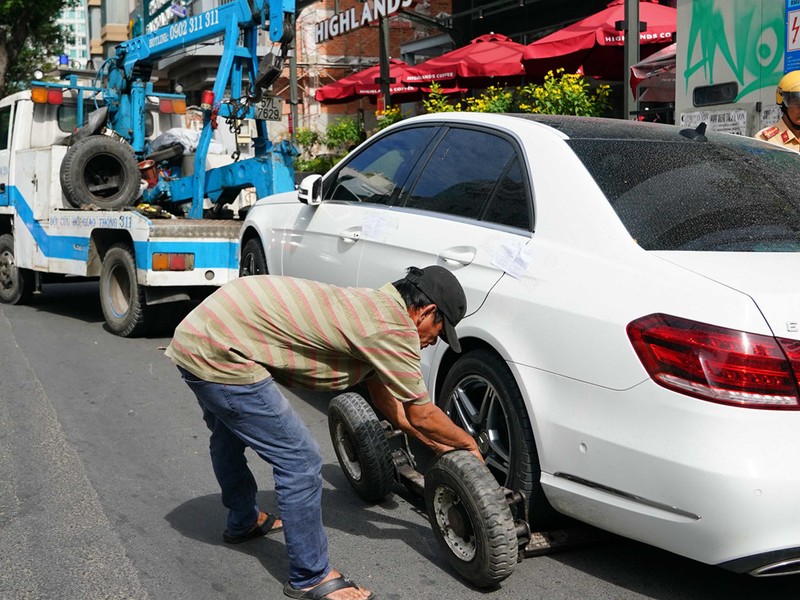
106	491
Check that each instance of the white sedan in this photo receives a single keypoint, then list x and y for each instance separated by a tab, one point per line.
631	348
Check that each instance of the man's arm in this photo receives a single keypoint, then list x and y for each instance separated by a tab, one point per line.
425	422
434	424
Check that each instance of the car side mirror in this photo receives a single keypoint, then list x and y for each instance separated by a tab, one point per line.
310	191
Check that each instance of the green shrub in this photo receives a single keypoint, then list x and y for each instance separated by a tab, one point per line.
318	164
342	134
388	117
564	94
560	94
307	139
437	102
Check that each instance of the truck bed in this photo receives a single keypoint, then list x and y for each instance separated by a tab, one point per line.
196	228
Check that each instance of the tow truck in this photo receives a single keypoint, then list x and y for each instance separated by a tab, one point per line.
84	193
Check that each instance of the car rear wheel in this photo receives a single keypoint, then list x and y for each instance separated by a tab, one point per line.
480	395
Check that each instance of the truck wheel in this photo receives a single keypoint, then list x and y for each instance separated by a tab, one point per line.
480	395
361	446
121	296
471	519
16	285
101	171
253	261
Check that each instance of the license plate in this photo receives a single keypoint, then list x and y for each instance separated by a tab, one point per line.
270	108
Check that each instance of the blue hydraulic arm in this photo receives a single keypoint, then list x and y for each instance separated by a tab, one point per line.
237	22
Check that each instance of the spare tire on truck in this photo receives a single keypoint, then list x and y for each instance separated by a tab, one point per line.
102	171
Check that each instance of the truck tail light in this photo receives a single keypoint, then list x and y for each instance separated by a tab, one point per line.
44	95
173	261
165	106
718	364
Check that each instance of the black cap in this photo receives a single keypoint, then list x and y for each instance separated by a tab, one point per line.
443	290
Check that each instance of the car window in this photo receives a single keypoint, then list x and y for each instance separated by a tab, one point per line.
509	205
378	170
734	195
462	173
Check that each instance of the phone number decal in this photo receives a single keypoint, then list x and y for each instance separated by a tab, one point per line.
185	27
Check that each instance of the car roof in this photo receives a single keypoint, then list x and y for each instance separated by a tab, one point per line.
593	128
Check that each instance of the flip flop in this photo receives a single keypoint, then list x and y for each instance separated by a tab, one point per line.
321	590
256	531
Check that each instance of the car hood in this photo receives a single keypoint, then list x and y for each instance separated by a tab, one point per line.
282	198
769	278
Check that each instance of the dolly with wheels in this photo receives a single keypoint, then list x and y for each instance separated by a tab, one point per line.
480	526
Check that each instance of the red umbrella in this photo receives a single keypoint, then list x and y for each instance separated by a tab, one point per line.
363	83
595	44
654	76
485	59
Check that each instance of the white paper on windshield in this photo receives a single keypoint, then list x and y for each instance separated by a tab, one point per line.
513	257
379	225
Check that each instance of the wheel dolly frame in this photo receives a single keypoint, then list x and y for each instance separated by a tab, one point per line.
482	528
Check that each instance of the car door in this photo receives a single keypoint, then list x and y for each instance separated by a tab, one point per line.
324	242
469	208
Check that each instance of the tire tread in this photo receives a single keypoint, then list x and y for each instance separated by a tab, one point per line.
478	488
378	471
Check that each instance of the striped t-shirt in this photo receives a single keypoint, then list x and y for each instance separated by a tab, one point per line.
304	334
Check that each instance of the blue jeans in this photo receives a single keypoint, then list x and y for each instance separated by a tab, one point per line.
259	416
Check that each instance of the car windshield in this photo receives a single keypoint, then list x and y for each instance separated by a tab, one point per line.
732	195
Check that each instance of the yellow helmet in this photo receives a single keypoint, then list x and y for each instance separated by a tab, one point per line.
788	91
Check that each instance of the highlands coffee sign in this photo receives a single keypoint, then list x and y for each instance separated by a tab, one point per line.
353	18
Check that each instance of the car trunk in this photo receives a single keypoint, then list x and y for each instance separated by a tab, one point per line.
769	278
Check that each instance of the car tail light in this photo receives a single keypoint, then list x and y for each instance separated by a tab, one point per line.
718	364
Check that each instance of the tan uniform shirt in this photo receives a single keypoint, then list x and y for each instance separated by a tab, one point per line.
303	333
780	135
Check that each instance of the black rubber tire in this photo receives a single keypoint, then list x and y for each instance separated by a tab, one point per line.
253	261
361	446
121	296
471	519
16	285
480	395
101	171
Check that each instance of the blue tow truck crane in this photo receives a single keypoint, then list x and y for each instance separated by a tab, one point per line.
84	194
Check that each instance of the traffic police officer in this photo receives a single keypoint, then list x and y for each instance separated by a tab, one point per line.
786	132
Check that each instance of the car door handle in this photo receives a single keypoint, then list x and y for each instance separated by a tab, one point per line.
351	236
462	255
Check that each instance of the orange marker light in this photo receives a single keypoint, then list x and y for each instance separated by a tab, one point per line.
39	95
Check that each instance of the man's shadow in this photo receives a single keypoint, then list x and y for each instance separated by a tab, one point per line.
203	518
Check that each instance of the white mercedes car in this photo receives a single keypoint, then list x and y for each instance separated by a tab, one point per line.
631	348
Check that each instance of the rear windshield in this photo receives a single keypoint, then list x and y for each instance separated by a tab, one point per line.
735	195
